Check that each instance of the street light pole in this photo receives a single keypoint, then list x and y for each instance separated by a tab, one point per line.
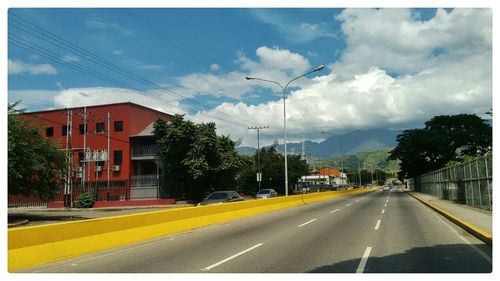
341	151
284	112
371	168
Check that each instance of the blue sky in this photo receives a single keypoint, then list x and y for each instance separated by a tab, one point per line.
384	68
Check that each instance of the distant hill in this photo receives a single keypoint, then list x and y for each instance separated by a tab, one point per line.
376	160
375	139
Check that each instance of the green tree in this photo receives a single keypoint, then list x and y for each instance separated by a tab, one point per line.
273	172
35	164
444	139
197	160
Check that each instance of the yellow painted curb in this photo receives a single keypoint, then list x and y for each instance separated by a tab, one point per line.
29	246
472	229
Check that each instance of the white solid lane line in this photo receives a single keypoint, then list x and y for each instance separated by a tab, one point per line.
383	211
307	222
377	225
364	259
231	257
336	210
348	205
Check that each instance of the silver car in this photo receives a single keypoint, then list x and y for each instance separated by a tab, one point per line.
266	193
220	197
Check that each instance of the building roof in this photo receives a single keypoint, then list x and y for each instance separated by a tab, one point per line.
100	105
148	131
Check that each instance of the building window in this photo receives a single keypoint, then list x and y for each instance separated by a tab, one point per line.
65	130
118	157
80	158
83	129
118	126
99	127
49	132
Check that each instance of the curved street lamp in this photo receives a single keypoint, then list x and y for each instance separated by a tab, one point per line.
341	152
284	111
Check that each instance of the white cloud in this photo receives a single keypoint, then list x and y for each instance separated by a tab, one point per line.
214	67
77	97
442	66
19	67
35	100
231	85
100	24
272	63
396	41
70	58
291	30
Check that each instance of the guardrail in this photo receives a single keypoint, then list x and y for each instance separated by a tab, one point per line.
29	246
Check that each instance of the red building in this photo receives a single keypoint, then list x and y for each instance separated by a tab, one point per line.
120	131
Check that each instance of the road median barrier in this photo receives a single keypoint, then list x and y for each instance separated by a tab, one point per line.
29	246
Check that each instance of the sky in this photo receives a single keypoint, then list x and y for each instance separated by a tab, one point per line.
391	68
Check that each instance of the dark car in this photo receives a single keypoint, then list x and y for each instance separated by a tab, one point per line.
220	197
266	193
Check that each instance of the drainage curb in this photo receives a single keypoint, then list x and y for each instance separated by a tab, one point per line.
469	227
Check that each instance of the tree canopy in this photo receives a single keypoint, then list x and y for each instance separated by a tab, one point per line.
35	164
197	160
273	171
445	138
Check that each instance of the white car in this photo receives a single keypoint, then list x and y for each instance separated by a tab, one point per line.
386	188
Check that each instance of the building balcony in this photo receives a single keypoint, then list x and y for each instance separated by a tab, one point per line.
145	151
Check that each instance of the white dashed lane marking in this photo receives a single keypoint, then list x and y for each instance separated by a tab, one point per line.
364	259
232	257
307	223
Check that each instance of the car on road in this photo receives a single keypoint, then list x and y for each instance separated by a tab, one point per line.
386	188
266	193
220	197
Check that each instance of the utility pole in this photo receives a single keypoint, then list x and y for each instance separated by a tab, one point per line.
67	185
108	158
85	116
359	171
259	173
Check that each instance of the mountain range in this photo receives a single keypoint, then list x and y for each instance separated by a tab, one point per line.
366	140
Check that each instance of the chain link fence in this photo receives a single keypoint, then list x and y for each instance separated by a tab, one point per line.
469	182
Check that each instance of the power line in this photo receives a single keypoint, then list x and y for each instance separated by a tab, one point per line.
102	62
165	35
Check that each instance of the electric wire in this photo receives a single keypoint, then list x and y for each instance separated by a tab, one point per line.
64	44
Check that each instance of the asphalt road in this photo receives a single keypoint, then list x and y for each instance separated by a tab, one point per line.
378	231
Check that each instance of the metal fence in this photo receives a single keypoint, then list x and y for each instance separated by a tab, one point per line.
468	182
117	190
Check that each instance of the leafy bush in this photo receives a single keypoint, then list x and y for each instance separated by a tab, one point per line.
85	200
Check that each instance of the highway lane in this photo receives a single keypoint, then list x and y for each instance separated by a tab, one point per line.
391	230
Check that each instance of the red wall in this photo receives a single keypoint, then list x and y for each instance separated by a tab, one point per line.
135	118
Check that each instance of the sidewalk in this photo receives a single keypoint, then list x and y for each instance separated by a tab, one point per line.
476	221
36	216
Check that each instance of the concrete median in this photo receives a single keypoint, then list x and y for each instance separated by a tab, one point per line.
29	246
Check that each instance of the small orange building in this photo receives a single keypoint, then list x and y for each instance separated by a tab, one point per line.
329	172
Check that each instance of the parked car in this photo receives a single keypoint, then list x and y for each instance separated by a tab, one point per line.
266	193
386	188
220	197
